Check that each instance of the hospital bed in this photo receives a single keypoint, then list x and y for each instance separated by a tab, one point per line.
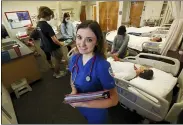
149	98
140	43
142	31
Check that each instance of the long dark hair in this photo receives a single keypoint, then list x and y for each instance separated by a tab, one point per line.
100	48
65	16
122	30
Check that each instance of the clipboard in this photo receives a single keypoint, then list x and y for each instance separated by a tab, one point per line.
83	97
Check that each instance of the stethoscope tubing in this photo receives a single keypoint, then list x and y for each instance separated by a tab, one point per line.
77	68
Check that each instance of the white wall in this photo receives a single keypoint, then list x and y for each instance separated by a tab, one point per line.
32	7
120	15
72	4
126	11
153	9
97	11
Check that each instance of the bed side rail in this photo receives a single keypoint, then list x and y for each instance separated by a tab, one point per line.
166	25
71	52
177	107
175	110
160	33
162	105
151	46
162	28
167	64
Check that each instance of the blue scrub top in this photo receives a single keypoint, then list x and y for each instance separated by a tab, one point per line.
101	79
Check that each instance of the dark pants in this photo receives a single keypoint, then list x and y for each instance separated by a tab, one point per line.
48	54
69	48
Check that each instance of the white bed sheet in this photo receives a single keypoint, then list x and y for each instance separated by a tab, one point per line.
161	84
123	70
145	29
135	42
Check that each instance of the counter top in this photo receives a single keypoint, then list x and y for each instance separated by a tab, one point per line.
23	49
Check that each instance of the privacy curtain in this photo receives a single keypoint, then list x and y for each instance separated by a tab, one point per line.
175	33
167	15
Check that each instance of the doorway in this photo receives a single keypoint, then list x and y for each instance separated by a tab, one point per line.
83	14
108	15
136	12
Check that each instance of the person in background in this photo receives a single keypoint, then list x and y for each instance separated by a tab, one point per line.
49	42
93	72
34	34
120	43
156	39
67	29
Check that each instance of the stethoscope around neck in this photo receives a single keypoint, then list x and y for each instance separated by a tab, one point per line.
88	77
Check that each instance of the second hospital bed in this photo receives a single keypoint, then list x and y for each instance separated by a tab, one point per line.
149	98
139	42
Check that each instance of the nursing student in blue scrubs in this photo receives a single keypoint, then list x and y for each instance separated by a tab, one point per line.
92	73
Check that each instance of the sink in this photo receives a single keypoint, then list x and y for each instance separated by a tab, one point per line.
9	45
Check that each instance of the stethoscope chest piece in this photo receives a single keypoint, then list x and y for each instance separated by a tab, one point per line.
88	78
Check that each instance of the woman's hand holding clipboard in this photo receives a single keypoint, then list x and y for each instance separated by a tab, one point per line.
83	97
